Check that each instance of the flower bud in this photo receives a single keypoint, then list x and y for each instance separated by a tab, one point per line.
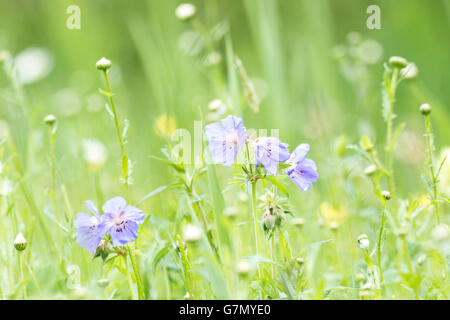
103	283
359	277
300	261
187	296
103	64
398	62
425	109
185	11
298	222
363	241
243	267
402	230
386	194
334	226
366	143
50	119
269	220
191	233
370	170
20	243
410	71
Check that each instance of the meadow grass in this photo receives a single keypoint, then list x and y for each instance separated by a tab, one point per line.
373	226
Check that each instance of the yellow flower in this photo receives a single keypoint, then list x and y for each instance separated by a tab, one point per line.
332	216
165	125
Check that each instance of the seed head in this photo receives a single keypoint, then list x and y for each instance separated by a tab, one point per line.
386	194
20	243
398	62
50	119
363	241
425	109
185	11
103	64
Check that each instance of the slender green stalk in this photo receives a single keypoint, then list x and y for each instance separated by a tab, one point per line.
119	134
272	254
137	275
406	252
429	142
256	226
20	256
130	281
379	242
389	143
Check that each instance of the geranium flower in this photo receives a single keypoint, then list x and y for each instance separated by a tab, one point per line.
225	139
88	235
270	151
121	221
303	172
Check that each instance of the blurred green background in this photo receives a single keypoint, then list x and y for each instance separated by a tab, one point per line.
305	58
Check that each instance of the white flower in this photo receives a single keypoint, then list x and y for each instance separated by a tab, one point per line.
94	152
33	64
185	11
192	233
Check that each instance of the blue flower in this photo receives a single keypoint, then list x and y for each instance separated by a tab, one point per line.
225	139
87	234
270	151
303	172
121	221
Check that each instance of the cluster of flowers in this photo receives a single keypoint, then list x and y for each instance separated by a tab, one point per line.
120	220
229	136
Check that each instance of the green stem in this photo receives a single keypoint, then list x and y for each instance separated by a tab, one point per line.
379	242
256	226
406	252
430	165
25	296
119	135
137	275
130	281
389	143
272	255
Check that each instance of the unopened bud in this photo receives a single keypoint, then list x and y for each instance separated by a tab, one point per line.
20	243
410	71
334	226
398	62
363	241
386	194
366	143
300	261
191	233
298	222
103	283
50	119
187	296
243	267
185	11
103	64
425	109
269	220
370	170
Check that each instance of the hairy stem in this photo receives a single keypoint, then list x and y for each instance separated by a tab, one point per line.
379	242
430	166
137	275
